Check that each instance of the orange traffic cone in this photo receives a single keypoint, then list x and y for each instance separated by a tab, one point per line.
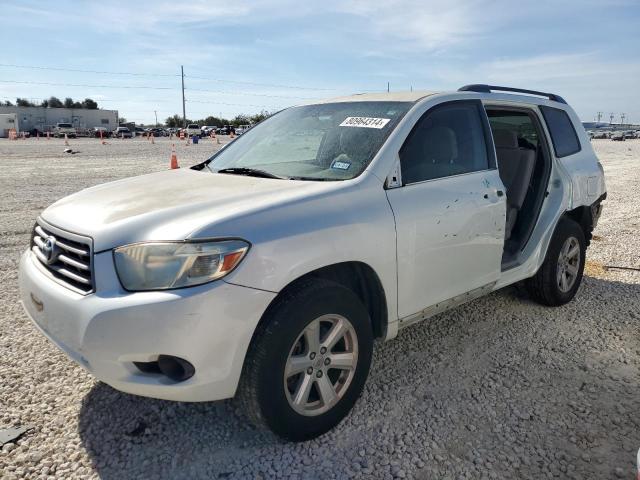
66	140
173	164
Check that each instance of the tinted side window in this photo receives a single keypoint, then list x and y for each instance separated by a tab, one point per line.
563	135
448	140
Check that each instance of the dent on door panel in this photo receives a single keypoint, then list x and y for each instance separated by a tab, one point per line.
450	238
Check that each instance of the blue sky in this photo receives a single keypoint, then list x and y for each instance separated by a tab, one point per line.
250	55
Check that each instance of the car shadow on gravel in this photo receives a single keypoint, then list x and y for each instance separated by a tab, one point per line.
537	391
128	436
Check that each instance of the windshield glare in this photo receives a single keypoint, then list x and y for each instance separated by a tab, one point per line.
334	141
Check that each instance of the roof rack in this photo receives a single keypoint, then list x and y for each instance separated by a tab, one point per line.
481	88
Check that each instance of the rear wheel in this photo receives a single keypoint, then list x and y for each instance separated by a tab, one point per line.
308	362
559	277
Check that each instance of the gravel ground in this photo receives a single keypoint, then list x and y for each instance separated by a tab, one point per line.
498	388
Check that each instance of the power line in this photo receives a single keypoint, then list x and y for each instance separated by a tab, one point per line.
145	87
256	84
232	104
227	92
150	87
139	74
77	70
100	100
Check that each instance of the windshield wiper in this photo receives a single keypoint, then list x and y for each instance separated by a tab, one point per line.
250	172
314	179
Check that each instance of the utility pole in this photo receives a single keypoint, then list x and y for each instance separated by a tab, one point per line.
599	116
622	117
156	112
387	87
184	110
611	118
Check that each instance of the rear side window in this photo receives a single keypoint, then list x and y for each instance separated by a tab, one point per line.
448	140
563	135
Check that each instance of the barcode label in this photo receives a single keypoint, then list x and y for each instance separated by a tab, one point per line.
364	122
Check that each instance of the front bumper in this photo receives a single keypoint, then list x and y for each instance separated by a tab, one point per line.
105	332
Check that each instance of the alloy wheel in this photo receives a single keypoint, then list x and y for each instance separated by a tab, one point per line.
568	264
321	365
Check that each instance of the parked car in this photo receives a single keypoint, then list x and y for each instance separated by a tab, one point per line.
267	274
100	132
192	130
630	135
139	131
156	132
226	130
617	137
600	134
122	132
206	130
242	128
62	129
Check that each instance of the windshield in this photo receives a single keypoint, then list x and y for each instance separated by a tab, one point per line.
64	125
334	141
194	126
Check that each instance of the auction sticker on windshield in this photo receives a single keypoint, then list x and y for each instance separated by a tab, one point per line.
364	122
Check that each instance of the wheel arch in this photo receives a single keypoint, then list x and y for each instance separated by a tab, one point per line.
582	216
357	276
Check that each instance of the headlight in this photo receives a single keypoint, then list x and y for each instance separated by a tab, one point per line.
164	265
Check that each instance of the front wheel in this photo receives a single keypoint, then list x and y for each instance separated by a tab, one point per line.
559	277
308	361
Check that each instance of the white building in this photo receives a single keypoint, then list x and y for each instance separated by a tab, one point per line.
44	119
8	121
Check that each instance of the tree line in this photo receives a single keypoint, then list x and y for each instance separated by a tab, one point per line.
54	102
176	121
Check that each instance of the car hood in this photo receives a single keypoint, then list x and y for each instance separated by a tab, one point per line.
169	205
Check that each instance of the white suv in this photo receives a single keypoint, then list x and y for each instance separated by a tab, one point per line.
193	130
62	129
267	271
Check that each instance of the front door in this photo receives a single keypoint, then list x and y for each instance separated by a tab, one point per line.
450	209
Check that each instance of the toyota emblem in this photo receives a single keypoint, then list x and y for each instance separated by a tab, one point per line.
50	250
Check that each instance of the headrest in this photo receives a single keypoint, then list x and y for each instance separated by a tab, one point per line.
505	138
440	144
354	142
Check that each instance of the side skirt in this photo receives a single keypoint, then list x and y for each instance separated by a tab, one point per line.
445	305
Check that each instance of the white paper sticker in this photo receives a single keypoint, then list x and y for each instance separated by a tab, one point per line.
365	122
341	165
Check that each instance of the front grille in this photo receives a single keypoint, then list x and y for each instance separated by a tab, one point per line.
66	256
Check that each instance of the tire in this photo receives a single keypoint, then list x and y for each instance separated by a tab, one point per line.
552	284
269	399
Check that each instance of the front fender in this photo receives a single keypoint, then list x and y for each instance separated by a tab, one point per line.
288	241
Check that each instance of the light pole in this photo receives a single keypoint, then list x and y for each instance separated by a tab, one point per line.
184	110
156	112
